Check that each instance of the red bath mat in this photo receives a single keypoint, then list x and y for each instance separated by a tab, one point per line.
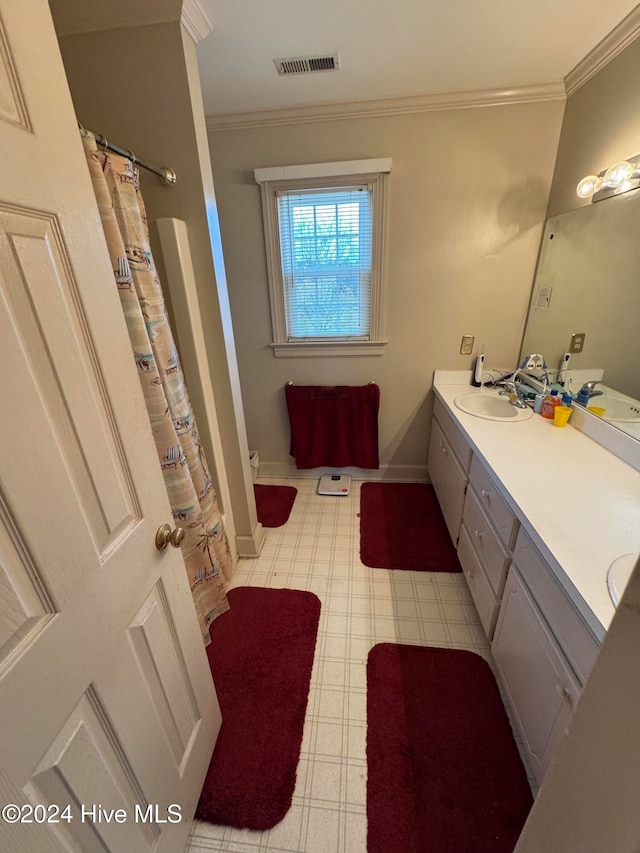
444	773
274	504
402	527
261	654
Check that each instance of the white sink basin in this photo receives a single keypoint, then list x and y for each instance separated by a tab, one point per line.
619	574
617	409
491	406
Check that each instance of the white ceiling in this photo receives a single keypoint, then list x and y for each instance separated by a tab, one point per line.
393	48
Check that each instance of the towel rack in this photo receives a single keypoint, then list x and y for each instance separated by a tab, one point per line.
368	383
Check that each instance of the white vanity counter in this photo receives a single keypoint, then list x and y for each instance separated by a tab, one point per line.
578	502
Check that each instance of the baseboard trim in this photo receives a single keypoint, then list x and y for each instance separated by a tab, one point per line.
250	546
391	473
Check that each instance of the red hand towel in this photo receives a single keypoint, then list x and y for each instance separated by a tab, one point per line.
334	426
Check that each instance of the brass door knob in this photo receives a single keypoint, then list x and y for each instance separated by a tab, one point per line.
166	536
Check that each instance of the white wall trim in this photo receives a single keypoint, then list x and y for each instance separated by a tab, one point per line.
323	170
611	45
389	473
181	282
377	183
195	20
328	349
388	106
250	546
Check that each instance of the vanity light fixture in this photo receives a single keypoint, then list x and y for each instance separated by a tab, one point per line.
618	178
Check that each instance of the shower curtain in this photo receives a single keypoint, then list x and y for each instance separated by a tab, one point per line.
194	503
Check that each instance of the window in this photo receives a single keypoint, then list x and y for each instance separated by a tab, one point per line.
325	237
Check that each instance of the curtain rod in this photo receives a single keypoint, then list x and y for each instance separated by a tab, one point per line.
166	175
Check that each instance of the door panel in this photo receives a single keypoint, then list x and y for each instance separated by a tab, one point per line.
161	662
88	741
41	308
25	605
12	106
106	697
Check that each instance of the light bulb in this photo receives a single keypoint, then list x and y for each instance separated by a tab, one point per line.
618	173
588	186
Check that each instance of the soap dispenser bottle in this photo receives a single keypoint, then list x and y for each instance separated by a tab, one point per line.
549	404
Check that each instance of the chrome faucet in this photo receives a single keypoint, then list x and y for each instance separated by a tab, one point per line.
588	389
510	390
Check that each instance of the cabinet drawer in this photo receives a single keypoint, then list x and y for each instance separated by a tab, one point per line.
453	435
489	548
480	588
574	637
493	503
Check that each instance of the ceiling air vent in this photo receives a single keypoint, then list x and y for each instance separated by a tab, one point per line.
307	64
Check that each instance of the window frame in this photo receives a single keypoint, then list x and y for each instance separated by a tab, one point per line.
377	182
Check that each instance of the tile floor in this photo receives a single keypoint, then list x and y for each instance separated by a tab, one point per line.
318	550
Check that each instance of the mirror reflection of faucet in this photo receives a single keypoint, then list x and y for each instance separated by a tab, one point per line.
587	392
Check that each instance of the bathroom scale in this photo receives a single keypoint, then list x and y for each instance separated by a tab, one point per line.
334	484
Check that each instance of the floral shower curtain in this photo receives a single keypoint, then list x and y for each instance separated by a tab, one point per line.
193	500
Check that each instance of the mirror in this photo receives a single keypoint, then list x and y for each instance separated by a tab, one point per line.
588	281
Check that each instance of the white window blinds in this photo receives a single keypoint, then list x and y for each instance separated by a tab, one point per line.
325	248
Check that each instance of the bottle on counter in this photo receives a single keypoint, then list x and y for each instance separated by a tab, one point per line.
549	404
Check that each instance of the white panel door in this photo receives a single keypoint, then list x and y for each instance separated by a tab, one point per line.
106	699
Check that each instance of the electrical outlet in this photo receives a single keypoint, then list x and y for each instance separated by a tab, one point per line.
466	345
577	341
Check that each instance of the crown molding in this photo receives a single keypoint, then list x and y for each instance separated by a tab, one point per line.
387	107
195	20
611	45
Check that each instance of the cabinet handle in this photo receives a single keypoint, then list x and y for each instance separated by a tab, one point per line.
485	494
478	534
444	450
564	693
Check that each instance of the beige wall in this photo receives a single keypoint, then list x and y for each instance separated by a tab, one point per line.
468	195
139	87
601	126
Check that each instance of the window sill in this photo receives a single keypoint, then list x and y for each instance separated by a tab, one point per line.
327	349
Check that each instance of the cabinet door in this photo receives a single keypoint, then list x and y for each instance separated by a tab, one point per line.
448	478
538	681
435	458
